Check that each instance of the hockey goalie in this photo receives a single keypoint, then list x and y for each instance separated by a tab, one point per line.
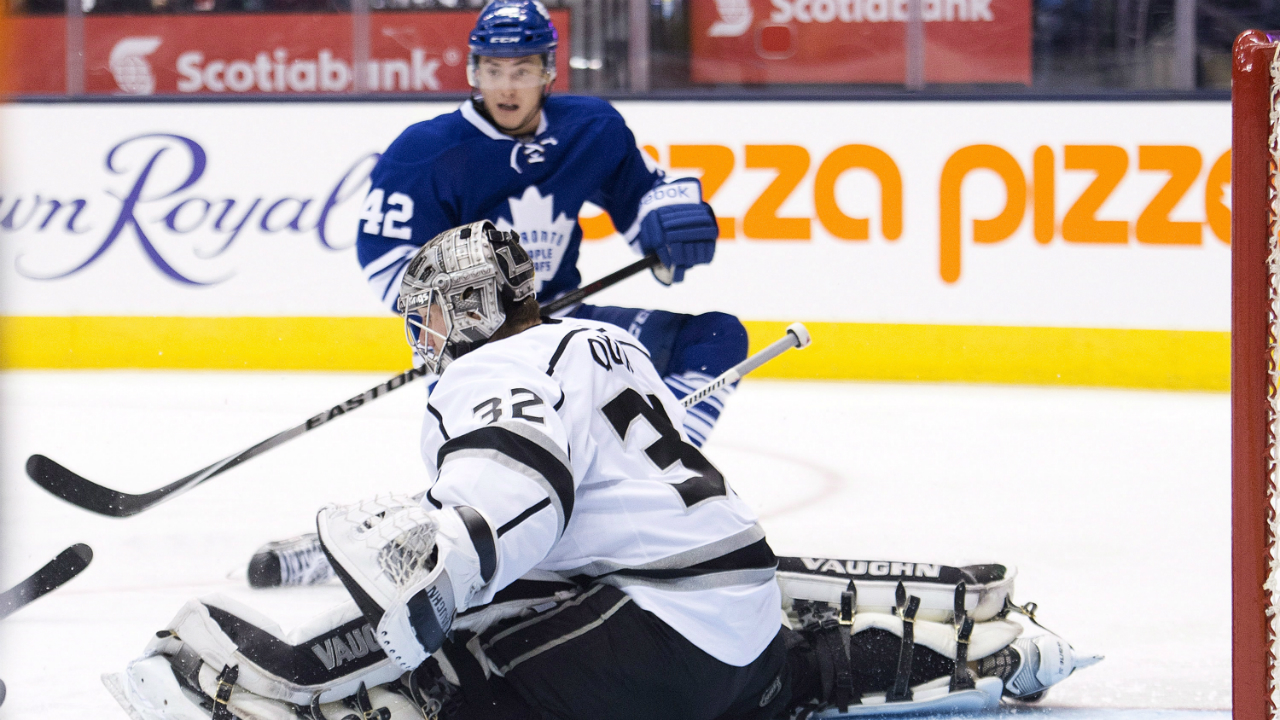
575	557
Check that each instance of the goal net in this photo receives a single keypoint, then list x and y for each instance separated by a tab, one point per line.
1255	407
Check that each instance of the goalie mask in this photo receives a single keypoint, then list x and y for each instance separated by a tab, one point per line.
458	289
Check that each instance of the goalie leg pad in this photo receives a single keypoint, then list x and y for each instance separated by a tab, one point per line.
1013	655
151	689
876	582
329	657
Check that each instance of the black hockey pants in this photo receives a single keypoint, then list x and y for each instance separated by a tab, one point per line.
599	656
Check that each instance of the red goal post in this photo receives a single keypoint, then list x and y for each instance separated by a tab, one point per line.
1255	300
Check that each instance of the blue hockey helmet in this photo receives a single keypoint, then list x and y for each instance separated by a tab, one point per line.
514	28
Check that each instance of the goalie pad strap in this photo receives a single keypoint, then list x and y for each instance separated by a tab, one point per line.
226	682
962	678
901	690
985	639
831	649
834	661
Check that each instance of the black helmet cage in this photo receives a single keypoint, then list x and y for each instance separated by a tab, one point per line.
475	275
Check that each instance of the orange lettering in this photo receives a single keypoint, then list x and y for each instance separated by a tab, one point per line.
959	165
886	171
1043	207
1215	211
716	164
596	227
1080	224
761	221
1183	165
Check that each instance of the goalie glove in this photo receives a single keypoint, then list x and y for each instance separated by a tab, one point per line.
409	570
674	223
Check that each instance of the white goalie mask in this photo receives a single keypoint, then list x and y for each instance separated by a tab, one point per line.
458	289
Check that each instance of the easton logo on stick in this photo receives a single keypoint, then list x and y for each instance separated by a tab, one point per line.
370	394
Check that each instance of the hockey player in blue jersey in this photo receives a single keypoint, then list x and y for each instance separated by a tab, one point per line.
527	160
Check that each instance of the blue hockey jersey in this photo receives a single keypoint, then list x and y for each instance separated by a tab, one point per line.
458	168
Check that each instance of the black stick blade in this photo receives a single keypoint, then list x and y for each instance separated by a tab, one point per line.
85	493
68	564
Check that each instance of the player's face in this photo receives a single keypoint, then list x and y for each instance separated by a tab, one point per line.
512	91
427	331
438	330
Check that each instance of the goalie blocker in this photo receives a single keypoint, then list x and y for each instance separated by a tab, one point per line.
910	638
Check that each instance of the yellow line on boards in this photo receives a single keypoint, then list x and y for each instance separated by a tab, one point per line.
204	343
1156	359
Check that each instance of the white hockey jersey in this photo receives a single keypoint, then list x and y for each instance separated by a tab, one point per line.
569	444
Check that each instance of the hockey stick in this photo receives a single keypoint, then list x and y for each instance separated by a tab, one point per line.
577	296
93	497
797	337
54	574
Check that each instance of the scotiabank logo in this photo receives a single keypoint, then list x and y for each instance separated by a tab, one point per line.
856	11
277	72
129	66
735	18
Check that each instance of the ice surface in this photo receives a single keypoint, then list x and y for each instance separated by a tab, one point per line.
1114	505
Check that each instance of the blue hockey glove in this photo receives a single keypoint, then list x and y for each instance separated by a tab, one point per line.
677	226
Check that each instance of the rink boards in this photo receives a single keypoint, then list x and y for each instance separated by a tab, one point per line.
1025	242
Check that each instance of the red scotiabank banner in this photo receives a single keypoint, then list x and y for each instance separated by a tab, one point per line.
858	41
251	53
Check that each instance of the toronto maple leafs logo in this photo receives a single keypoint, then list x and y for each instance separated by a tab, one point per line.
544	238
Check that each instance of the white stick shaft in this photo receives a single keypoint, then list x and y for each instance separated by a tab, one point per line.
793	338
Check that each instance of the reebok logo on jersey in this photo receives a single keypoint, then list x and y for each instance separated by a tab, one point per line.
873	568
673	194
336	650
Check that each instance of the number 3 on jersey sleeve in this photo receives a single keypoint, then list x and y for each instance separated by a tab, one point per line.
389	224
628	405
